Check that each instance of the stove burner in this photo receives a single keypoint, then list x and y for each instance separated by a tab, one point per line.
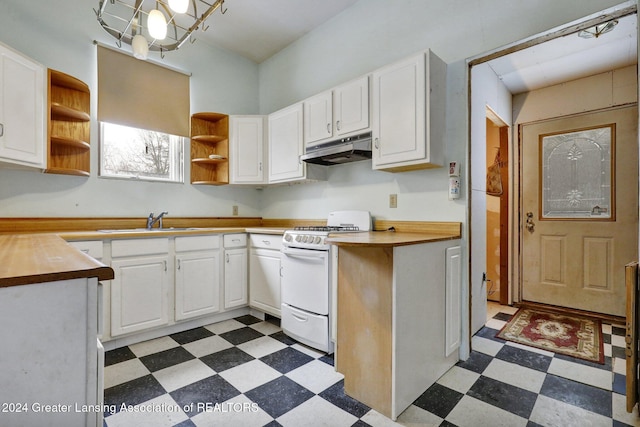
327	228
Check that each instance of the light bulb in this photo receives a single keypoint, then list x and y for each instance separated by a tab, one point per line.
179	6
140	47
157	24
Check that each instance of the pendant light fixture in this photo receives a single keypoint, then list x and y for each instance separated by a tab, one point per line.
598	30
140	47
169	23
157	25
179	6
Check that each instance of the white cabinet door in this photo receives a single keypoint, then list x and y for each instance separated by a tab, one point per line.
453	299
408	114
139	294
351	107
247	158
235	277
264	280
22	110
399	112
318	118
286	145
197	284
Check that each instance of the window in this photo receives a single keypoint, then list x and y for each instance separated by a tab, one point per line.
577	174
143	110
127	152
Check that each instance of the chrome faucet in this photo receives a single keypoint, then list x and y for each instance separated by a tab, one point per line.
151	221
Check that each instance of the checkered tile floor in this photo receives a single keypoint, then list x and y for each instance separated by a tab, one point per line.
246	372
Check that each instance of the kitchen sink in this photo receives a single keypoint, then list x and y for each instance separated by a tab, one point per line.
146	230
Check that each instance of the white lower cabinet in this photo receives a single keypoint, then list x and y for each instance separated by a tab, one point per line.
139	293
198	275
197	284
235	271
264	273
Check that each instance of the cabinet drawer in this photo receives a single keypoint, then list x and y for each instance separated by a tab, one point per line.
131	247
93	248
235	240
266	241
197	243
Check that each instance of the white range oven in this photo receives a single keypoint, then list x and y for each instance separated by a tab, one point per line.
307	277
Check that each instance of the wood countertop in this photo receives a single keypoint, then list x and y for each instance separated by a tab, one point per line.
136	233
388	238
37	258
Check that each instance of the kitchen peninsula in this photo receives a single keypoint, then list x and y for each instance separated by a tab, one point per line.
49	300
399	306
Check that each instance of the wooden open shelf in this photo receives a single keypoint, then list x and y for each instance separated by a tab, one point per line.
69	128
209	135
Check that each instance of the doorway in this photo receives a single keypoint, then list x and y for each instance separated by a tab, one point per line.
497	269
489	88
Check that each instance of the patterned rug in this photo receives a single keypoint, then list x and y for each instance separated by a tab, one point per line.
562	333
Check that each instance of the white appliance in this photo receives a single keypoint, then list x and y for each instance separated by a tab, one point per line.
307	274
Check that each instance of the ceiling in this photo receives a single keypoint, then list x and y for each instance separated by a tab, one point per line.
568	58
258	29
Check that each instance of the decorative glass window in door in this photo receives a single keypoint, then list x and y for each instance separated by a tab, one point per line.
577	170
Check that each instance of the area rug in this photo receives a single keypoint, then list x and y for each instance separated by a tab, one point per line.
568	334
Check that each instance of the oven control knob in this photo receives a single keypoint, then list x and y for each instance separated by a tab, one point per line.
305	239
298	238
317	240
287	237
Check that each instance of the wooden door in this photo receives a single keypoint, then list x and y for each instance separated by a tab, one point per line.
579	209
631	338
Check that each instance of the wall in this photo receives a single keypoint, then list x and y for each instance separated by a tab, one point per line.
59	35
369	35
488	96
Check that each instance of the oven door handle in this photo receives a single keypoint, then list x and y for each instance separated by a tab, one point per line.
303	253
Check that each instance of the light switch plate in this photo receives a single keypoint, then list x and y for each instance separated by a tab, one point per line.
235	210
393	200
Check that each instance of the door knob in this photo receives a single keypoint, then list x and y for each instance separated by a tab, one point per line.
530	224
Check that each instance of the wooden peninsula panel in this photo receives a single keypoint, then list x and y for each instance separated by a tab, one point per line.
366	299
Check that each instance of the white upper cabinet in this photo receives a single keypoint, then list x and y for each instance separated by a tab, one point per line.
351	107
247	158
22	110
318	118
337	113
286	146
408	117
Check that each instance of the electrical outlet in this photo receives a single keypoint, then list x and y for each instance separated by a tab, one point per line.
235	210
393	200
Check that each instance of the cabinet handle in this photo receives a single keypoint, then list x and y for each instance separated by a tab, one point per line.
328	127
227	256
266	242
376	143
260	166
1	129
280	271
338	125
165	265
178	265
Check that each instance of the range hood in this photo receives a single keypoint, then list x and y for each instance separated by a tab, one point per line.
345	150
